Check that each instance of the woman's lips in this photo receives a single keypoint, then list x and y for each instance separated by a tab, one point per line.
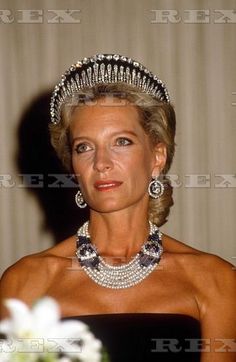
107	185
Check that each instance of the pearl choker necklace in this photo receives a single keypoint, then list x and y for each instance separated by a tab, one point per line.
124	275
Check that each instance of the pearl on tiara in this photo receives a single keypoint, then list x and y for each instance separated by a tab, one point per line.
104	68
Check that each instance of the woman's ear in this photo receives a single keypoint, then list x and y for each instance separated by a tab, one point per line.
160	153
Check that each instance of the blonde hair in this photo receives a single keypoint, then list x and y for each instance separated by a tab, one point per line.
156	117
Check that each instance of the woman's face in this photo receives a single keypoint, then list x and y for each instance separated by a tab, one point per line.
112	156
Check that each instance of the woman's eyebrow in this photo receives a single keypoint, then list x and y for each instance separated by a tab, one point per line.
132	133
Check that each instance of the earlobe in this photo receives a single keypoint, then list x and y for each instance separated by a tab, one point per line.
160	158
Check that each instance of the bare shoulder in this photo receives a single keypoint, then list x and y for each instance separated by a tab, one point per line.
198	261
30	277
212	278
183	252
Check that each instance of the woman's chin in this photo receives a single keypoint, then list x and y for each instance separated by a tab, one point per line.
107	207
108	204
115	205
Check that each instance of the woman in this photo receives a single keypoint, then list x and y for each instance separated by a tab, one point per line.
147	296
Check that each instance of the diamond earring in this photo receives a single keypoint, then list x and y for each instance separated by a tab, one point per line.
80	200
155	188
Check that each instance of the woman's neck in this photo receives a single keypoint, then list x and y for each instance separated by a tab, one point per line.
118	234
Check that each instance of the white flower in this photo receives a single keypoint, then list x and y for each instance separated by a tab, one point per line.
40	333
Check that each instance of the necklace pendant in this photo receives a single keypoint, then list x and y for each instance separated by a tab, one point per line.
87	254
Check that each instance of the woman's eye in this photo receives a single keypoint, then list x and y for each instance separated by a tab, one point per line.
82	147
123	141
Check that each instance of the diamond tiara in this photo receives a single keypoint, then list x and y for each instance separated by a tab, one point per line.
104	68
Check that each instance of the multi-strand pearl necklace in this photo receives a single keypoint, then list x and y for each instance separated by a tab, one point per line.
124	275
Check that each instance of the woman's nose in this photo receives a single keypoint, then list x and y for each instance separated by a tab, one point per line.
103	160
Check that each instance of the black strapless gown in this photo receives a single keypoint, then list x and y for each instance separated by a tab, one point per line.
144	337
